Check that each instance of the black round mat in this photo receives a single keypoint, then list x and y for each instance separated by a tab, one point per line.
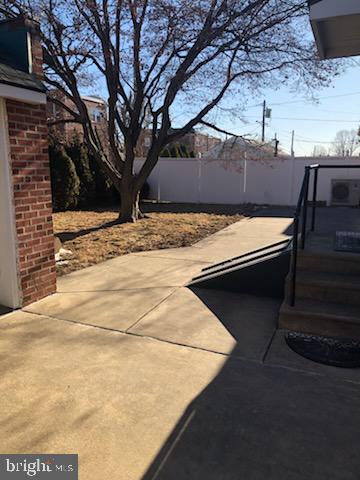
337	352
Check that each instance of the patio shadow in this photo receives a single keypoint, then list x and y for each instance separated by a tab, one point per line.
255	421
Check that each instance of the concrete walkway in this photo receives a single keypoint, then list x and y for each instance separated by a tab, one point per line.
146	379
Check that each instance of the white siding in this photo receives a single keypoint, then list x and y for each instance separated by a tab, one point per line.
9	289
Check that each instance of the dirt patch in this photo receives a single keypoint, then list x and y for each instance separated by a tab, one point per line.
94	236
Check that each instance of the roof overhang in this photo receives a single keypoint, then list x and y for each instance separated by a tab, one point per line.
336	27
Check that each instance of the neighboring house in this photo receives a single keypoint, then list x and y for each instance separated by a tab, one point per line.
195	142
336	27
59	118
27	265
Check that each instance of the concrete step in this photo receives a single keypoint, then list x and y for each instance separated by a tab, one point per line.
321	318
334	262
325	286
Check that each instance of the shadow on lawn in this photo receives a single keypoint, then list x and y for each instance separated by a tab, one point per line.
68	236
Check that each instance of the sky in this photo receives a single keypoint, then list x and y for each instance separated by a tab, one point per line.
315	123
338	108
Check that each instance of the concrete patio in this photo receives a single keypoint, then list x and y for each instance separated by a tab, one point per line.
146	379
328	222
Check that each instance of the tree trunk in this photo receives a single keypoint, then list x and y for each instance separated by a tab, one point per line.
129	210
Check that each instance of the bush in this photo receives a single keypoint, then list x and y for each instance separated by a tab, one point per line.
79	155
176	151
77	179
105	192
165	153
184	153
65	182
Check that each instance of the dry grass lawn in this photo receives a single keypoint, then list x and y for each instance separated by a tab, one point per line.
94	236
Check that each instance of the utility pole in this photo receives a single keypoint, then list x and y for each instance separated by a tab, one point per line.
276	146
263	122
292	143
266	114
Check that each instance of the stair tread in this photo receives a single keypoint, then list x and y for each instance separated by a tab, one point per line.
326	309
343	280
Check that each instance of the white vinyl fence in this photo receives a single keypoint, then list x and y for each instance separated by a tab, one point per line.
275	181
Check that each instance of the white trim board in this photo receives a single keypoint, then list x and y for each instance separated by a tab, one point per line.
334	8
22	94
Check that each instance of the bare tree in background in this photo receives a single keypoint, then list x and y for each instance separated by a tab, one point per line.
320	151
346	143
154	57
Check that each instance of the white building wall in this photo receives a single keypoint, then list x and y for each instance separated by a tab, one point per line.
9	288
276	181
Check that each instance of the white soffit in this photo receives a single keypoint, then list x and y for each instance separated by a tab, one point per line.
336	26
22	94
334	8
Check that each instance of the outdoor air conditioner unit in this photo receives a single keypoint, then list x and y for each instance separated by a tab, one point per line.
345	192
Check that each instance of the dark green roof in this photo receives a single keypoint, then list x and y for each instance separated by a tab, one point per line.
17	78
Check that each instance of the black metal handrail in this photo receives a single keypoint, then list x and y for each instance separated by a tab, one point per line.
301	214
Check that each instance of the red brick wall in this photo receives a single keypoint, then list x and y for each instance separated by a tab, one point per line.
32	199
37	56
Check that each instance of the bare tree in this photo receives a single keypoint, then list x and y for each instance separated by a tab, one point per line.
320	151
153	57
346	143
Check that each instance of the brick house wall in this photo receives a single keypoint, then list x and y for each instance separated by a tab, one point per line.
36	51
30	185
199	143
32	199
69	130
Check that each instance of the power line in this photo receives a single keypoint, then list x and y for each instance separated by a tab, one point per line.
322	98
306	119
300	139
314	141
304	101
335	112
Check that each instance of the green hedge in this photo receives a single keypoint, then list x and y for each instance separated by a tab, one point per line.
176	150
65	183
80	157
77	180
